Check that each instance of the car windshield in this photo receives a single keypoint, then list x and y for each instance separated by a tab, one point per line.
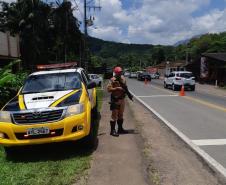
52	82
186	75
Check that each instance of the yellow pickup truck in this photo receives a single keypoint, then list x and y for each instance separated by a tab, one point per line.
52	106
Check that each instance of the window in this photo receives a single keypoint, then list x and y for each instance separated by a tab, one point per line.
171	75
186	75
52	82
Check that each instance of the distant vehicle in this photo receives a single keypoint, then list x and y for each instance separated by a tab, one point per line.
143	76
176	79
96	78
126	74
133	75
155	75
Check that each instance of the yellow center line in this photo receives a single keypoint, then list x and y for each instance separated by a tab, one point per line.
206	103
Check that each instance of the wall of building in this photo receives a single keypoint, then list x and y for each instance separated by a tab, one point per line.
9	46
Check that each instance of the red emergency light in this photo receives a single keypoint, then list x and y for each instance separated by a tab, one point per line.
57	66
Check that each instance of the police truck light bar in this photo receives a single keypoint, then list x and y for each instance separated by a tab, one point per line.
57	66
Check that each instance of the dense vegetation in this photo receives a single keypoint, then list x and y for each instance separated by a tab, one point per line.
133	55
11	80
47	31
128	55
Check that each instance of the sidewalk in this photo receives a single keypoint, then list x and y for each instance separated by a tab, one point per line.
211	89
117	160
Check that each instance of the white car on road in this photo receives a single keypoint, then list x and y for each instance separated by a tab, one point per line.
96	78
177	79
133	75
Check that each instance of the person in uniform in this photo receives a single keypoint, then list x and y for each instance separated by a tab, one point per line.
116	87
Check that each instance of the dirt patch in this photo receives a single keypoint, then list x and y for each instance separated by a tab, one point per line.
170	161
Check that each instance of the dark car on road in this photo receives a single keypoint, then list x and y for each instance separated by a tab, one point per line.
144	75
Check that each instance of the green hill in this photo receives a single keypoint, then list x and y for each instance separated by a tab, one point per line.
134	55
127	55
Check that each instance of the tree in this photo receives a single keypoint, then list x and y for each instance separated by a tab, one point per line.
48	32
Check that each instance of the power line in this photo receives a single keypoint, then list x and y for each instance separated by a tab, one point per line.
77	8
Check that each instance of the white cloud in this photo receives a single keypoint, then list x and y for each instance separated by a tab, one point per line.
115	33
9	1
212	22
152	21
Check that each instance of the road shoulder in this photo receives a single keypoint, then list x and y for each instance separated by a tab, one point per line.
171	161
117	160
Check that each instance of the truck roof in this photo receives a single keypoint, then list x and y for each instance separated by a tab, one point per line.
57	71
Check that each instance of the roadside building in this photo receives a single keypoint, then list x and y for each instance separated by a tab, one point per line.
9	48
168	67
211	68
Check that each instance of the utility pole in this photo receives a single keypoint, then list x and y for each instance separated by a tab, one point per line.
85	19
66	34
87	22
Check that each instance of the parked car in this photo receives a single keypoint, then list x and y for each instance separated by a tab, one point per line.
52	106
133	75
155	75
97	79
176	79
126	74
143	76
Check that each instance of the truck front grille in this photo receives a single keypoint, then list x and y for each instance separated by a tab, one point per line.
36	117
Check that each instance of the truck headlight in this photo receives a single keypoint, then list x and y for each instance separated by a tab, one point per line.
75	109
5	116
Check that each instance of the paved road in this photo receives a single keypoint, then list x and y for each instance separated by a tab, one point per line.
198	115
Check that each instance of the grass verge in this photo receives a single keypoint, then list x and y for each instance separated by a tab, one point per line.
58	164
100	94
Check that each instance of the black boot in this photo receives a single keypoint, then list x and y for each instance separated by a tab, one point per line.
113	131
121	130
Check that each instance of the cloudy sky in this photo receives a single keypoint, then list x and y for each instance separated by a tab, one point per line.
157	21
154	21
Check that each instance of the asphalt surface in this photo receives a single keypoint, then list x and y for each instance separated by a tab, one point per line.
198	115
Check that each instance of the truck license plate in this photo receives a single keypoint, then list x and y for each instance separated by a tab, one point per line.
38	131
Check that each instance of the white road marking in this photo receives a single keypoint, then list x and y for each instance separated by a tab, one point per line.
217	167
209	142
156	96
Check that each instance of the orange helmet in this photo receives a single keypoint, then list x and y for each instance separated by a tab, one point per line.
117	70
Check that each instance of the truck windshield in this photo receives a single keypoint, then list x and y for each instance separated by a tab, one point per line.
52	82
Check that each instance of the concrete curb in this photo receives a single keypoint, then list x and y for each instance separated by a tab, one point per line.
212	163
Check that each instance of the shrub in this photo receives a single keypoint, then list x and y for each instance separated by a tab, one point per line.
10	82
